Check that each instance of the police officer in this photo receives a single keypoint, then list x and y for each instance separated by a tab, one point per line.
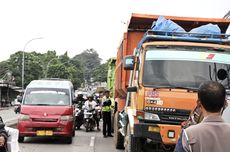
106	114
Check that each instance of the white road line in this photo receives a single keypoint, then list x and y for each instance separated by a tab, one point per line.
92	141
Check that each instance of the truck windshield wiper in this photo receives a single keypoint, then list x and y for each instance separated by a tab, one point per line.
187	88
172	87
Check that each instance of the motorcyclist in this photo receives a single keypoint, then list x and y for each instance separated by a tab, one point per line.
80	100
91	105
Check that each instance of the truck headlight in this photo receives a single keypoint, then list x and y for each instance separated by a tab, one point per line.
151	116
66	118
23	117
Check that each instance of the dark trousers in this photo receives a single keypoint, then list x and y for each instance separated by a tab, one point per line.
96	119
106	123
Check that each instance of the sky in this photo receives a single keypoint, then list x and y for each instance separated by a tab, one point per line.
77	25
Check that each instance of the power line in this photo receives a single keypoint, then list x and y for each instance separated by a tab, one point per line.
227	15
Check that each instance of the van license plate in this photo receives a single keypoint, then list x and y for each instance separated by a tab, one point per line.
44	133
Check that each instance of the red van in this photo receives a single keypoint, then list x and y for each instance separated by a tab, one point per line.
47	110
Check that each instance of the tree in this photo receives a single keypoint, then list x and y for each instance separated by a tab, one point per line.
89	60
38	65
100	73
4	68
32	67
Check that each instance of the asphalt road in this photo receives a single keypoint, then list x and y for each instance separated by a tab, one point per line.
82	142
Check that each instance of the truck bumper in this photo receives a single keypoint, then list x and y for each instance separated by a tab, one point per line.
142	130
162	133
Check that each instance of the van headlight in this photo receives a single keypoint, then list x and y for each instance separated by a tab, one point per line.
66	118
151	116
23	117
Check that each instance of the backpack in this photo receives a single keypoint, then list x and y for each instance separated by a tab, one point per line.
2	125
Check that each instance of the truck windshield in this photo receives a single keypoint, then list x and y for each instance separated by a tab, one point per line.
184	69
50	97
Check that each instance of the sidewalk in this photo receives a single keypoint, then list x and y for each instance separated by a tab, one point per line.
8	115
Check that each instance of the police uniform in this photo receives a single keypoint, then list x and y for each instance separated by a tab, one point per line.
106	113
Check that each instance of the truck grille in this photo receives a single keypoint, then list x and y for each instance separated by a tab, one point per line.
168	115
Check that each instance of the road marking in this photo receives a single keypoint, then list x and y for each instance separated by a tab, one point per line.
92	141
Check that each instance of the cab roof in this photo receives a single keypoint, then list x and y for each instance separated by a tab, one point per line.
63	84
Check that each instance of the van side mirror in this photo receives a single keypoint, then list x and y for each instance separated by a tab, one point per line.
129	62
19	99
74	100
132	89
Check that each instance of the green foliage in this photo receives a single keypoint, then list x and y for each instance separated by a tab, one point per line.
100	73
90	61
48	65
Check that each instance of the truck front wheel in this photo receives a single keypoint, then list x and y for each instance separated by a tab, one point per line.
118	138
131	143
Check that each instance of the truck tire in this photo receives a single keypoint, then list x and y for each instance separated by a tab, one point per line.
132	144
118	138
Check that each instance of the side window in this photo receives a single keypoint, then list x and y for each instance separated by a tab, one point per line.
72	95
138	63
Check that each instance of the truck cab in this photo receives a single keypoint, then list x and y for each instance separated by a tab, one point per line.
165	72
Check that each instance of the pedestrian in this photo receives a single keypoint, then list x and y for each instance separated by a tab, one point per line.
3	137
212	133
106	114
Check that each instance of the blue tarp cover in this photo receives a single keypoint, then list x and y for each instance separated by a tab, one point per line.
166	25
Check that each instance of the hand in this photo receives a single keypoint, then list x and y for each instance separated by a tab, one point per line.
2	141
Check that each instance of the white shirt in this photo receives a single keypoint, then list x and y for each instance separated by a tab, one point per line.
89	105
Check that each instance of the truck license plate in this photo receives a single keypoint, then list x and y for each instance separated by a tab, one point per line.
44	133
153	129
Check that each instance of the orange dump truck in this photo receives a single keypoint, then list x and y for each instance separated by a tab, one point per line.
157	77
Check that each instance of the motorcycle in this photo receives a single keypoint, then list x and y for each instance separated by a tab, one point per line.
90	117
89	121
79	117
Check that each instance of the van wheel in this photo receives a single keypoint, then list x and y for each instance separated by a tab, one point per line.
69	140
118	138
73	134
20	139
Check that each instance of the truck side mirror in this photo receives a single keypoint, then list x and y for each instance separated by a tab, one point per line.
132	89
129	62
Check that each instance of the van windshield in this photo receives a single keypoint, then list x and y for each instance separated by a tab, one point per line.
52	97
181	70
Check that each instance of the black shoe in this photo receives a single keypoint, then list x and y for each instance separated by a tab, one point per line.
110	135
105	136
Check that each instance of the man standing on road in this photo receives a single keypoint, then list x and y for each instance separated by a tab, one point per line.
212	134
106	114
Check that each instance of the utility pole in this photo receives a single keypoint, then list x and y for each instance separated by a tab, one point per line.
23	59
